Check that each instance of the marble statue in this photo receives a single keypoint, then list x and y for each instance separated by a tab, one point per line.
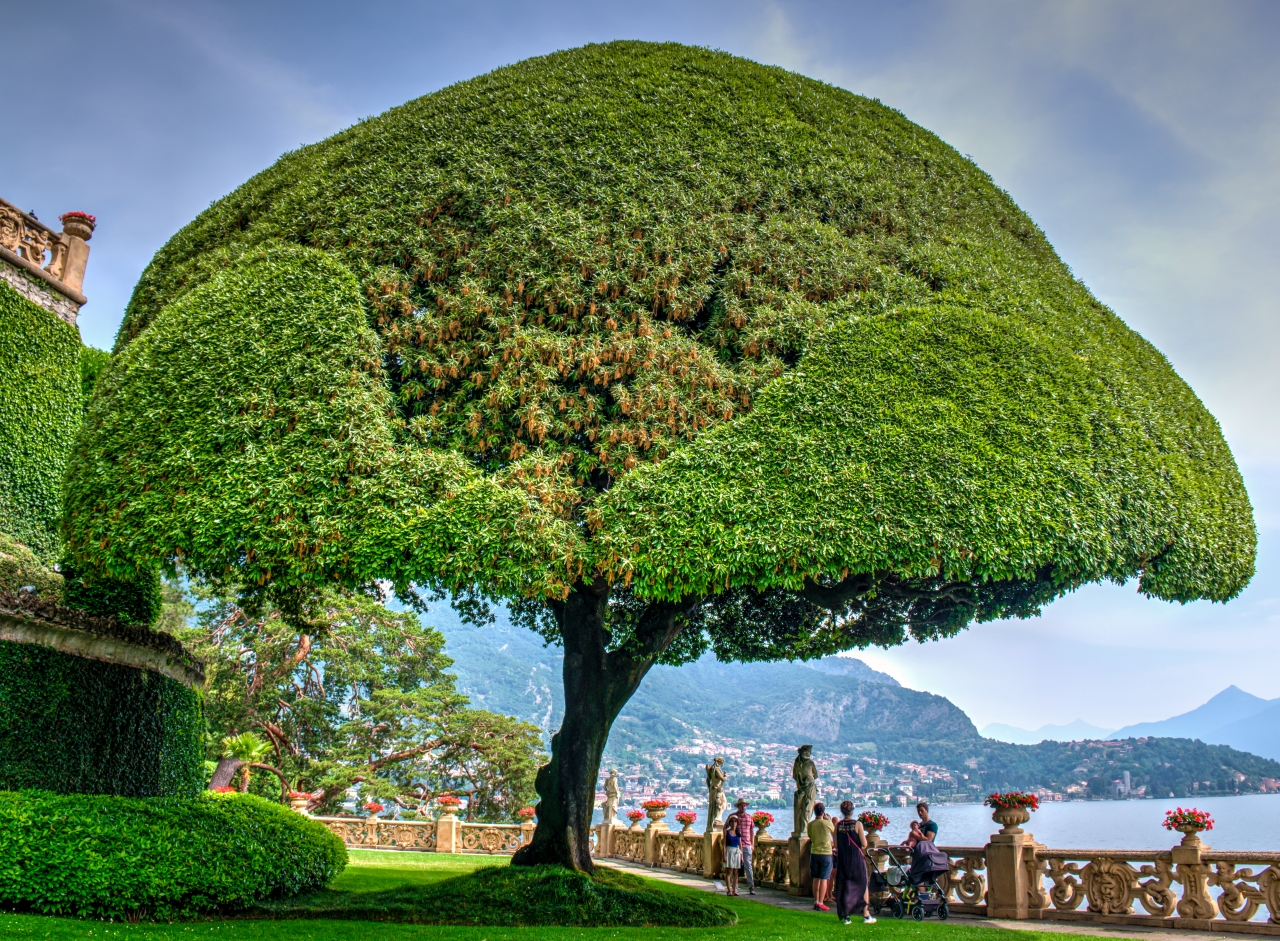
805	773
610	814
715	791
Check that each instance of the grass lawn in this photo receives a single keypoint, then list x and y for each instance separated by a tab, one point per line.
371	872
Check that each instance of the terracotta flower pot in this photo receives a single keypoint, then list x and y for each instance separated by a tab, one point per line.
1011	818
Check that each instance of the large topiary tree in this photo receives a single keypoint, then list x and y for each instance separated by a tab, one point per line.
672	351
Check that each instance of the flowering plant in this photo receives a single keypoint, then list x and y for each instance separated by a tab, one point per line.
655	805
374	807
872	820
762	818
224	790
686	817
635	815
78	215
298	794
1011	800
525	813
448	801
1190	818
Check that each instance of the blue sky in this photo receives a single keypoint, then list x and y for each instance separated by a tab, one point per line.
1144	138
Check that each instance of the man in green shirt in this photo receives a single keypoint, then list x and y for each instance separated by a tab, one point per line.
821	830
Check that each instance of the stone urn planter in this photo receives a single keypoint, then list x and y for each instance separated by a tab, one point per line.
635	822
656	815
1190	835
299	804
81	226
1011	819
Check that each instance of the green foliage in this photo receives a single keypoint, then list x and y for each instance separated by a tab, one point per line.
19	568
854	353
40	408
92	362
134	600
112	857
73	725
276	460
519	896
357	694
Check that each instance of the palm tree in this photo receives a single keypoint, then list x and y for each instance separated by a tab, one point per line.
247	748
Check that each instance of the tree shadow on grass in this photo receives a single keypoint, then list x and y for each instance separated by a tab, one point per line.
513	896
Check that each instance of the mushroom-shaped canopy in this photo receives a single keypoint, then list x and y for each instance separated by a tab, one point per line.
653	315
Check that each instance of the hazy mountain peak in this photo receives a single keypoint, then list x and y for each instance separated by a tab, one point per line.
852	667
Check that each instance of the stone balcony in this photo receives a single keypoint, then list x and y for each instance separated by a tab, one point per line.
42	265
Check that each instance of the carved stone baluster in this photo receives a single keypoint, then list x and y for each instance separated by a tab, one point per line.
1155	895
1194	876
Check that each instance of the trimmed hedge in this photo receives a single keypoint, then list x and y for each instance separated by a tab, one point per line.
719	327
112	857
40	408
80	726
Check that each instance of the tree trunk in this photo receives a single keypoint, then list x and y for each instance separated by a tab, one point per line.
597	684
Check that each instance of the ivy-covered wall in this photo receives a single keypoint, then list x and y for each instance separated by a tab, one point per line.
79	726
40	408
69	724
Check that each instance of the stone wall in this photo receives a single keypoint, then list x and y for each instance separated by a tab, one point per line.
39	291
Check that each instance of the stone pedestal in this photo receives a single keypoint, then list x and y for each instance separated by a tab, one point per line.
1196	902
448	834
712	854
1008	876
798	864
651	841
526	832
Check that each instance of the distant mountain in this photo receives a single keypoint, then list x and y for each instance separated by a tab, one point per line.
1258	733
1077	731
1233	717
841	704
835	700
783	702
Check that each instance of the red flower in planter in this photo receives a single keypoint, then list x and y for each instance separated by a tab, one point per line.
686	817
526	813
374	807
635	815
762	818
1012	799
223	790
92	220
655	805
871	820
1190	818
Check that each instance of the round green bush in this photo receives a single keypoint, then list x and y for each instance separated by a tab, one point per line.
117	857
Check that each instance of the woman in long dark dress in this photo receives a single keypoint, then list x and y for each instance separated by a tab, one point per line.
851	867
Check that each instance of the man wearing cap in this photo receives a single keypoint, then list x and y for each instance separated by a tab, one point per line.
742	823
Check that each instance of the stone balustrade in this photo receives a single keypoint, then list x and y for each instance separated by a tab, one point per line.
448	834
1190	886
45	266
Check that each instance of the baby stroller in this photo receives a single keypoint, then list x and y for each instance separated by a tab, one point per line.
911	891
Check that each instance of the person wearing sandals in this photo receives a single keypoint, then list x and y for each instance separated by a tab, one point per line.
732	853
745	829
851	868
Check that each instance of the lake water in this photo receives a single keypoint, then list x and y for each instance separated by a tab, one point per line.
1247	822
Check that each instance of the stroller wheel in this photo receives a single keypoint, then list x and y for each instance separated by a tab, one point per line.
943	912
917	912
897	909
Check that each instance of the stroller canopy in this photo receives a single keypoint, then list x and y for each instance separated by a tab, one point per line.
927	860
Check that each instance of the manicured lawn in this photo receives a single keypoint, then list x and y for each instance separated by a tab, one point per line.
380	871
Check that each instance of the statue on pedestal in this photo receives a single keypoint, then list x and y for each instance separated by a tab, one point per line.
715	791
610	814
805	774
